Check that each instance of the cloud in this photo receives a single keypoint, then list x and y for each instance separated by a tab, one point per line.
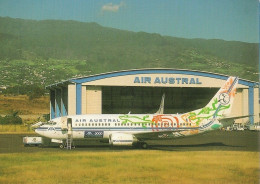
110	7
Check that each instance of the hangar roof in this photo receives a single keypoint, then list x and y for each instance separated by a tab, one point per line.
97	77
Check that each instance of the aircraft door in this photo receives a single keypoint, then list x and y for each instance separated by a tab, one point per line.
69	125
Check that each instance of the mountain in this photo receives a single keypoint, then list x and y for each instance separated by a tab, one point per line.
42	52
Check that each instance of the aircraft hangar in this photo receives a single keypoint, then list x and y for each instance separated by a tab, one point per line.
140	91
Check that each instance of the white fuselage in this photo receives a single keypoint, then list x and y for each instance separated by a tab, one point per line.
100	126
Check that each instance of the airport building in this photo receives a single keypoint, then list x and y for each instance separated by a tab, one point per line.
139	91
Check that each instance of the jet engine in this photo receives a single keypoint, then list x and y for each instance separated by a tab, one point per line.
122	139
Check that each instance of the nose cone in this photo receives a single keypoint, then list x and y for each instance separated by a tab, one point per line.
39	131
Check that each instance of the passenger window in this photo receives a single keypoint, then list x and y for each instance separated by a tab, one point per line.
95	124
105	124
115	124
108	124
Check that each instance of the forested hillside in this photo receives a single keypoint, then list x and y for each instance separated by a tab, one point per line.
42	52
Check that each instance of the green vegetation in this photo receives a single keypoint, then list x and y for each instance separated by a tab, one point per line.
43	52
16	129
17	113
130	166
11	119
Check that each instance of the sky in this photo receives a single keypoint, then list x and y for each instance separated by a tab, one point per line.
231	20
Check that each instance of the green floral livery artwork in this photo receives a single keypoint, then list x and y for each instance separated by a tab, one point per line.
207	112
135	119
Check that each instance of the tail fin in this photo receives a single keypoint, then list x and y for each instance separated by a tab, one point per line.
223	100
161	108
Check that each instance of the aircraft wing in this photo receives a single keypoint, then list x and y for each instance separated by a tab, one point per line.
158	135
234	117
227	121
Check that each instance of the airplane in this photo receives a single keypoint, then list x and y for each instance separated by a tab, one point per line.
134	129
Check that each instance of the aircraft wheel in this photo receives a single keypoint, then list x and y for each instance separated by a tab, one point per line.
61	146
144	145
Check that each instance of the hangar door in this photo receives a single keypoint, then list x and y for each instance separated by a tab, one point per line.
142	100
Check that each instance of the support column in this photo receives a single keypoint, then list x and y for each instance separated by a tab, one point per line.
71	99
78	98
245	104
58	102
251	104
64	101
52	104
237	107
93	100
256	105
83	101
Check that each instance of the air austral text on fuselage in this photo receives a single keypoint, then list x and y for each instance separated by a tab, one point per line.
134	129
92	120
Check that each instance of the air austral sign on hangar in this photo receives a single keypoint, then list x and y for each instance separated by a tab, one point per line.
166	80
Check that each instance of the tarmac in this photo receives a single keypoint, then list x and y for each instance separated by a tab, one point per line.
217	140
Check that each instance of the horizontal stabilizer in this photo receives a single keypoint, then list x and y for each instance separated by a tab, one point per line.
235	117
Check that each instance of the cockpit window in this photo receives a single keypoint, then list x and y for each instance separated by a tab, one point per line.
50	123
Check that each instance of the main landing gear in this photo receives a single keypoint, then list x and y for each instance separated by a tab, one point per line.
142	145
